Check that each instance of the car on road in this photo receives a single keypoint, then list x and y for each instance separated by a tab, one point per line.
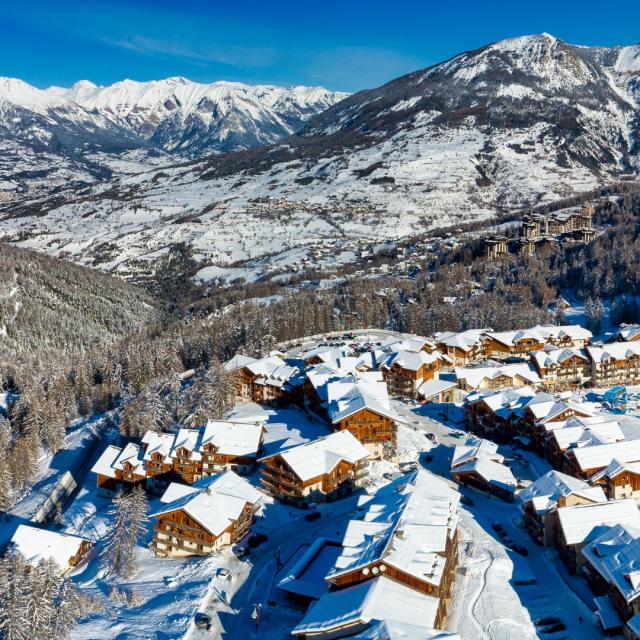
256	539
430	436
457	434
203	621
311	517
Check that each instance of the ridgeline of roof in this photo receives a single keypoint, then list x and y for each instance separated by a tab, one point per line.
37	544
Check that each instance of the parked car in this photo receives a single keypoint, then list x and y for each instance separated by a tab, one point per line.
546	621
311	517
241	552
554	628
428	457
499	529
223	572
457	434
203	621
256	539
430	436
466	501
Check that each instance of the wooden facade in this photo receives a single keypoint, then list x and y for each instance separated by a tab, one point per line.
624	484
570	373
405	382
375	431
521	348
281	481
179	534
379	567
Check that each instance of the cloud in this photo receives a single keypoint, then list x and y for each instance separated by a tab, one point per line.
355	68
233	56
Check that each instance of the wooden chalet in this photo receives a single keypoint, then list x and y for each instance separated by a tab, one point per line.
497	377
201	519
580	525
563	368
318	471
409	535
585	462
405	371
616	363
117	469
541	500
363	408
37	544
619	480
464	347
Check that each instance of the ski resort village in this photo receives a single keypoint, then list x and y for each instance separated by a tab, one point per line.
366	484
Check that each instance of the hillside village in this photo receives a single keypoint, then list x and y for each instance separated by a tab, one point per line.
387	451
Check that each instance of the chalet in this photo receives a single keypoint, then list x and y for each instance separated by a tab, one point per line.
323	355
200	519
496	414
324	469
407	532
464	347
478	464
580	525
564	368
405	371
118	468
613	562
229	445
541	499
363	408
38	545
157	460
185	455
619	480
579	432
628	333
545	412
584	462
615	363
497	377
412	344
266	380
440	391
363	606
522	343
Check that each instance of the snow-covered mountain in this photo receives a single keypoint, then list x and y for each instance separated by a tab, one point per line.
87	133
188	117
521	121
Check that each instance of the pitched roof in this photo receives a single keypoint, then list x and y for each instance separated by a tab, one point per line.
542	334
233	438
407	523
615	555
548	358
463	340
546	490
614	351
615	468
587	435
473	376
37	544
215	502
321	456
585	522
346	398
601	455
396	630
374	600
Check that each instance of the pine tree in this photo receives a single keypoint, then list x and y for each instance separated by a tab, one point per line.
14	606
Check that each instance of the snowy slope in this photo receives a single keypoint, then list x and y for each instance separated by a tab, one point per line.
521	121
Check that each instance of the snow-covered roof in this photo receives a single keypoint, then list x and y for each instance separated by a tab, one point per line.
473	376
346	398
634	624
37	544
615	555
233	438
629	332
587	435
552	357
491	471
374	600
614	351
411	360
431	388
406	523
615	468
585	522
541	334
504	402
546	407
319	457
104	465
189	439
463	340
216	502
546	490
414	343
601	455
473	449
161	443
609	618
239	362
396	630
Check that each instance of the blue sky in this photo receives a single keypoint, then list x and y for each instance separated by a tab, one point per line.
347	45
